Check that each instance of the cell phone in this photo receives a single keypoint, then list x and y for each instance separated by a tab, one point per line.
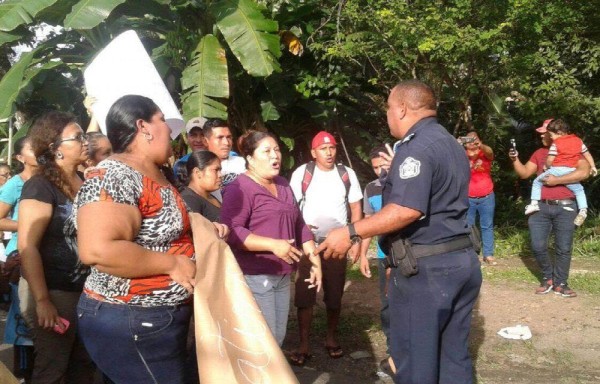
513	144
65	325
466	139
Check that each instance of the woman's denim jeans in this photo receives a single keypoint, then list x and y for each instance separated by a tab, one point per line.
272	294
485	206
132	344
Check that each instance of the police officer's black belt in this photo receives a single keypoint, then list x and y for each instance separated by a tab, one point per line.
558	202
422	250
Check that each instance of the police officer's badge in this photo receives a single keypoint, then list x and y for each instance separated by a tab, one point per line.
410	167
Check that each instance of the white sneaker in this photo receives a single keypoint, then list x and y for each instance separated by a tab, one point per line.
531	208
580	218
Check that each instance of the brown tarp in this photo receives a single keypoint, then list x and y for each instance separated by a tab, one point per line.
233	341
5	376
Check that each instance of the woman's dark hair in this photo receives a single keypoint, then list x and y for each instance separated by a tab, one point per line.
45	137
18	145
93	138
121	119
248	142
198	159
559	125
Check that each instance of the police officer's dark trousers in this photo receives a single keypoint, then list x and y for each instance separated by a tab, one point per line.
430	315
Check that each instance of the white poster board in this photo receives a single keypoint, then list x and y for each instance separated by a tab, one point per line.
124	68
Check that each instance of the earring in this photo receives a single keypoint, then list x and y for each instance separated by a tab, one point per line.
59	155
148	136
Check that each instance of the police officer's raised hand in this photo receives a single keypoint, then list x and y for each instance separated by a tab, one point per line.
387	157
285	250
336	244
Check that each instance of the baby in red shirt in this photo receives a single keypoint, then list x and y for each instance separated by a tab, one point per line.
563	155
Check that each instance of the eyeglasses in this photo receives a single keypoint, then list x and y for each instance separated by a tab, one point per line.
82	138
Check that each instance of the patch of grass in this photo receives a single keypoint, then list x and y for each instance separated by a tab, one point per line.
584	281
353	272
517	274
512	237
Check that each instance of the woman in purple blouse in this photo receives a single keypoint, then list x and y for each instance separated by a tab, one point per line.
267	230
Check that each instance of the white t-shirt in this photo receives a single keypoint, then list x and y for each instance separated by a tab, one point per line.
325	204
230	169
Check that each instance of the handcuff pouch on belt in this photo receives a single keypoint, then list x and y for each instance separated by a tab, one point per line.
402	254
399	254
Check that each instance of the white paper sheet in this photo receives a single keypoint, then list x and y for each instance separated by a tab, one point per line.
124	68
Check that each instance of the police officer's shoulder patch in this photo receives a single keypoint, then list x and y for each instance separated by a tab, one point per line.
409	168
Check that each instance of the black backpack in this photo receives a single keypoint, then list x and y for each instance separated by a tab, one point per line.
308	175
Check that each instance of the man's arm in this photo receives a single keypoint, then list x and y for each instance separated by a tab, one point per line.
524	171
355	215
391	218
579	174
365	269
588	157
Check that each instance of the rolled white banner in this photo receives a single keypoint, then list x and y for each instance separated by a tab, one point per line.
122	68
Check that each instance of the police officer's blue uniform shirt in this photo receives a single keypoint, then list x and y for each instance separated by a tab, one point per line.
430	173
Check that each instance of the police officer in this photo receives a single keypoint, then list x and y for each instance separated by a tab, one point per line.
425	199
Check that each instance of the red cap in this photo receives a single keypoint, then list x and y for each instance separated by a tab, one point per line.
544	126
322	138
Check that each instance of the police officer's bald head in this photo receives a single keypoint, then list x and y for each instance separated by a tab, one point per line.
415	94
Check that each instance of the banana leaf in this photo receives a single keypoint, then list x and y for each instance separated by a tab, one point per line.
252	37
14	13
11	83
206	80
6	37
268	111
87	14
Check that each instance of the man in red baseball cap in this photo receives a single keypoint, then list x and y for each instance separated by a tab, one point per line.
544	127
552	216
326	192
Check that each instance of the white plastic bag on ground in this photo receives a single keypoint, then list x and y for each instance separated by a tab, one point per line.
518	332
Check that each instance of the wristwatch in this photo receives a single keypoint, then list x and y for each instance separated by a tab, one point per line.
354	237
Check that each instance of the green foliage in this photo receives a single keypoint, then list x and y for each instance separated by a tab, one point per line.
252	37
269	111
14	13
206	80
11	83
87	14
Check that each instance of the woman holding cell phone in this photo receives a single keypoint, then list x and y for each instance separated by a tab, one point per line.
48	247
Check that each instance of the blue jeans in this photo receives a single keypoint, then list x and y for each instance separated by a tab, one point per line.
576	188
272	294
485	206
384	314
557	219
430	315
132	344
